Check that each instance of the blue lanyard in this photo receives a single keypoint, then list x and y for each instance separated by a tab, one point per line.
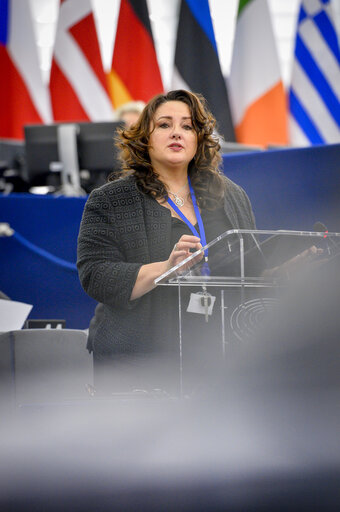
205	268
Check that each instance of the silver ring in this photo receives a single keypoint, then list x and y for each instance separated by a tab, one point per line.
175	247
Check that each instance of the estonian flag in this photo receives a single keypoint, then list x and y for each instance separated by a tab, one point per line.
197	66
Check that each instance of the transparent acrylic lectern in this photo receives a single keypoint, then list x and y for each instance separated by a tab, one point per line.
248	271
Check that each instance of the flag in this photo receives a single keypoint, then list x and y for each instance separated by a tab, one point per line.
314	94
197	66
78	83
134	73
257	96
24	97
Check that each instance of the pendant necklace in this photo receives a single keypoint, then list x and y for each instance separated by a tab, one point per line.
179	200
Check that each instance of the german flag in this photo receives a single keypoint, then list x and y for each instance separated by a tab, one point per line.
134	72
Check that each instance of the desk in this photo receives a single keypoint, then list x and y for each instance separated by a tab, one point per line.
291	189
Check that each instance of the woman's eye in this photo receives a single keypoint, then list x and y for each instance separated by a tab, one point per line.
187	127
164	125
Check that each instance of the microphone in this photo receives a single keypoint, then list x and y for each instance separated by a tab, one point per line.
321	228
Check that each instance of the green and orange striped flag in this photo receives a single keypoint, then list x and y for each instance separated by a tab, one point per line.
257	95
134	73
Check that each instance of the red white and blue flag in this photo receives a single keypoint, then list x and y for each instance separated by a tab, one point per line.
78	84
24	97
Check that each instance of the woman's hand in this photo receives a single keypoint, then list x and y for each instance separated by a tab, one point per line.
147	274
185	246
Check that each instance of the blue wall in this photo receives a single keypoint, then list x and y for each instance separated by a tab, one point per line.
51	223
289	189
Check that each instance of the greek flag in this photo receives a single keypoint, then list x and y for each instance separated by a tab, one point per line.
314	94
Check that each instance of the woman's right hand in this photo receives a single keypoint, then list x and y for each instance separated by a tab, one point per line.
185	246
147	274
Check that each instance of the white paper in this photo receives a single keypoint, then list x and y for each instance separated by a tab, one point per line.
195	305
13	314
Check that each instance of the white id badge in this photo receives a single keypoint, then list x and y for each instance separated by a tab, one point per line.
197	303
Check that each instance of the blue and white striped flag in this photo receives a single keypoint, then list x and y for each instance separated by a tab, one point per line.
314	94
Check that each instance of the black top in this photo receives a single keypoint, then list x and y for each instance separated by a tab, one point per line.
195	330
121	230
214	222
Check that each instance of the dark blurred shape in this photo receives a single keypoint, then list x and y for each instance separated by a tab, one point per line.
35	323
319	227
12	166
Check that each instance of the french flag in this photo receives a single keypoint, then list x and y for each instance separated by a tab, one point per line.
24	98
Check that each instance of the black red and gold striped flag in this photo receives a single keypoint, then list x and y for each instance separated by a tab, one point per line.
134	73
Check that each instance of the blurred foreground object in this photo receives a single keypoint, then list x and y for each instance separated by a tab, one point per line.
266	438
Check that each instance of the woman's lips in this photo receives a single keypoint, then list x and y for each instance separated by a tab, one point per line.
176	147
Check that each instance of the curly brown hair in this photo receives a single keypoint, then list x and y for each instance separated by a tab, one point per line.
204	172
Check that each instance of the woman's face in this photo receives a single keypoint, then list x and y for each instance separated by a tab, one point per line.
173	140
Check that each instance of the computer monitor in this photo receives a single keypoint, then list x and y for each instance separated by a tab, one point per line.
95	146
96	149
41	148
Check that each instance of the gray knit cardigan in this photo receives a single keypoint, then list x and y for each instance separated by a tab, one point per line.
121	230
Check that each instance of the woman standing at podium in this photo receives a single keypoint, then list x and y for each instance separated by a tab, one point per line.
171	199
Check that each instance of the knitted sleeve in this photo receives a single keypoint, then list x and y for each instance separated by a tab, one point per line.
104	272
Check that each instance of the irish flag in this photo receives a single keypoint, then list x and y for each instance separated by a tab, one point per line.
257	96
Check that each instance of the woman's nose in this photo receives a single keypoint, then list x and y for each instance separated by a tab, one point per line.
176	133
